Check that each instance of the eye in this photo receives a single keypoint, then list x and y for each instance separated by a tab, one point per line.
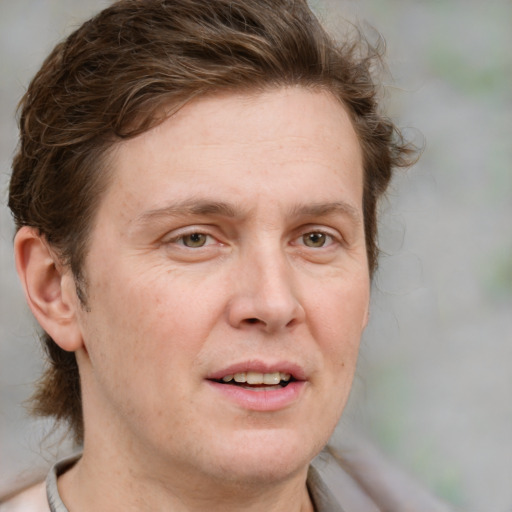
193	244
194	240
316	239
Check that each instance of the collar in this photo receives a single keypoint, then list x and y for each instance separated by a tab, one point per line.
322	498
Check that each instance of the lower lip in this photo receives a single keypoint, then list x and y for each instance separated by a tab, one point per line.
261	400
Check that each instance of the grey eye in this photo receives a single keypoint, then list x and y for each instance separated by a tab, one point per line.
314	239
194	240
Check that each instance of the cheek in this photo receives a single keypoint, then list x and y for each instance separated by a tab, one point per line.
343	307
338	322
159	316
139	341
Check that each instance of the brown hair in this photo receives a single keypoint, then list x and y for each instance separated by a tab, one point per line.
115	76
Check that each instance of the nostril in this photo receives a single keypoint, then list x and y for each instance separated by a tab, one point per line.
252	320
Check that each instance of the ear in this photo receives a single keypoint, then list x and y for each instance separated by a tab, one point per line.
366	314
366	318
49	288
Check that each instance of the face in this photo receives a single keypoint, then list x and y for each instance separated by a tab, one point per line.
227	287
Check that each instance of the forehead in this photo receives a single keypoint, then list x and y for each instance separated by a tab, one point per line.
244	144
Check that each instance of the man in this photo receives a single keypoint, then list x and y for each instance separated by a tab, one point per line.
195	196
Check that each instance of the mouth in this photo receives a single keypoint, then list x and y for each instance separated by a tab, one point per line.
259	386
256	381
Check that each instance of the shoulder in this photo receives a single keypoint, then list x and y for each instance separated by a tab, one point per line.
362	478
32	499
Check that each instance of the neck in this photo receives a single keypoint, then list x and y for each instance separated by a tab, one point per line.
114	484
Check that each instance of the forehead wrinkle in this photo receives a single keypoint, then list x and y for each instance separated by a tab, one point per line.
270	143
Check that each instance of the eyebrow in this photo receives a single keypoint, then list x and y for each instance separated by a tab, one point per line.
218	208
327	209
190	207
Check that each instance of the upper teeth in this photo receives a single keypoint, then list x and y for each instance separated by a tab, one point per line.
258	378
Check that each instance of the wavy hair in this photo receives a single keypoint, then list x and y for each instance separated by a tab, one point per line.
138	61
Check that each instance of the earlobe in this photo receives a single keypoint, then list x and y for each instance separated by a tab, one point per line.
49	288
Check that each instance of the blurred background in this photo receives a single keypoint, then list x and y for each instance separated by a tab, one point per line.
434	382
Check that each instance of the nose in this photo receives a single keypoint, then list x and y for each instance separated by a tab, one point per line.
265	294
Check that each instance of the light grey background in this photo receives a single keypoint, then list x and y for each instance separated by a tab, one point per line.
434	381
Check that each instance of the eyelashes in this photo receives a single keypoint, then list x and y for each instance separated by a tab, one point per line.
200	239
316	239
194	240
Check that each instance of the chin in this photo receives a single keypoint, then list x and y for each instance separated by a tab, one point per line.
267	456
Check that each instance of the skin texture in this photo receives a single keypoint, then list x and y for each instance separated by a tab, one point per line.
201	257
